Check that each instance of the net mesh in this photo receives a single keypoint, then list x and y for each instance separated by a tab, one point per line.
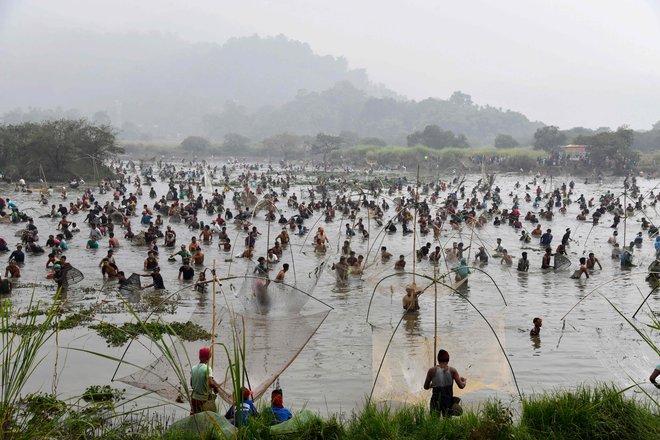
268	328
73	276
131	285
562	262
474	350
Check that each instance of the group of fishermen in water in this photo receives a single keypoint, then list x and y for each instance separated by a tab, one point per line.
419	209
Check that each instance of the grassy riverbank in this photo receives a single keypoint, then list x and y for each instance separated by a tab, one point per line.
594	413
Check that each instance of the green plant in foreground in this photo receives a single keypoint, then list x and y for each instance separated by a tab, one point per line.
20	358
599	412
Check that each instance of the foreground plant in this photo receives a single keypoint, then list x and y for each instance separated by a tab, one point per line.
20	358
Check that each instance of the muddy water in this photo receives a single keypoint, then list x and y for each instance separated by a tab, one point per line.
335	372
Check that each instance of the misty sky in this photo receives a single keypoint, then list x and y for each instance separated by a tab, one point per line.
566	62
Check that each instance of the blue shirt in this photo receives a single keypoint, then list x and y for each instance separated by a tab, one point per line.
281	414
238	418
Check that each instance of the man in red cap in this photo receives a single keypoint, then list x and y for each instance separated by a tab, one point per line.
202	382
280	413
242	409
441	378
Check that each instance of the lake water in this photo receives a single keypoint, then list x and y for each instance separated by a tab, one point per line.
335	372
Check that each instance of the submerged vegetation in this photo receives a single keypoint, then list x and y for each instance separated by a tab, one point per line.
118	335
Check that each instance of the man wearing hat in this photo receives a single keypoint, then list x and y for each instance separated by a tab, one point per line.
441	378
202	383
245	406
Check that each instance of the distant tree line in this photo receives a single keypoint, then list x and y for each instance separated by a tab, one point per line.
607	149
61	149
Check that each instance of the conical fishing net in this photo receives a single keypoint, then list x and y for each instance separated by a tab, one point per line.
131	285
269	338
73	276
562	262
258	295
473	348
117	217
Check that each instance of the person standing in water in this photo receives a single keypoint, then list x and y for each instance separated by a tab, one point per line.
592	261
441	378
523	263
581	270
536	331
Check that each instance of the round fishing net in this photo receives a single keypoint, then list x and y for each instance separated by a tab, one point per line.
266	334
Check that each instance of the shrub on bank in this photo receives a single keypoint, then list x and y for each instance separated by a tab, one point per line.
507	158
601	412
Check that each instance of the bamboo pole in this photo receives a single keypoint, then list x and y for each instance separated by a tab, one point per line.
213	323
435	313
415	227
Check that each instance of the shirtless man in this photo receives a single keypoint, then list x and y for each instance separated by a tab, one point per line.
506	258
581	270
536	331
283	236
207	234
282	273
592	261
342	269
545	263
409	300
198	257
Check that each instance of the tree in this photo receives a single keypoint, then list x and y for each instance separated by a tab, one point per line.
101	118
57	146
434	137
235	142
648	140
325	144
376	142
548	138
460	98
196	144
611	149
285	144
505	141
349	138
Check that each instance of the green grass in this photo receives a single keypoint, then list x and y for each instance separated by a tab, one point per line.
514	158
601	412
586	412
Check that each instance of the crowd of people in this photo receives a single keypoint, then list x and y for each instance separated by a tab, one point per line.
430	210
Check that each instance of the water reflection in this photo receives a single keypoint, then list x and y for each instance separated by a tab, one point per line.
411	321
346	334
523	280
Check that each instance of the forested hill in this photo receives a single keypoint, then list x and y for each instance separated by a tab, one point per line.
160	87
346	108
